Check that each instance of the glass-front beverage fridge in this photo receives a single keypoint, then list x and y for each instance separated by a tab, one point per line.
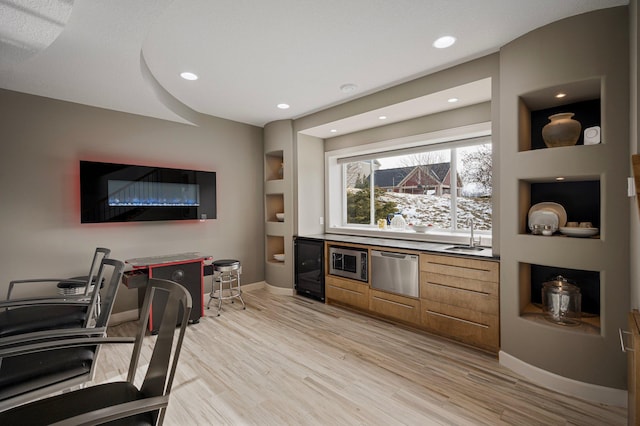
309	267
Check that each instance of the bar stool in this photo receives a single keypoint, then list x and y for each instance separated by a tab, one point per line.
226	273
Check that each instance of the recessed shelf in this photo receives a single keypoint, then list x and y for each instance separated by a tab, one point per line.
582	99
275	245
579	198
532	279
274	203
273	165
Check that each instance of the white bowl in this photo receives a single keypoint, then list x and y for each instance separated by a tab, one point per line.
422	228
578	232
280	217
279	257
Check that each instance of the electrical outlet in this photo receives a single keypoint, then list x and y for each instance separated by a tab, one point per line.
631	187
321	220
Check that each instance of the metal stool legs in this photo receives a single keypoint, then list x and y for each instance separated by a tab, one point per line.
226	278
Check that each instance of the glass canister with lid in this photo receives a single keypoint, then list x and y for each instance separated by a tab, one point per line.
561	301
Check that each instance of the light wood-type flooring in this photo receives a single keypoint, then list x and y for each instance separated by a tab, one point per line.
294	361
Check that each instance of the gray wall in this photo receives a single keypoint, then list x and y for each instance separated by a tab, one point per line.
634	15
580	48
42	143
309	184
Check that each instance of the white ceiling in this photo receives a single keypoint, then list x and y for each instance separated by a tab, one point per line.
251	55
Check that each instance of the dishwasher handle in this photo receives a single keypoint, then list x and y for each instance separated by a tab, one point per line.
389	254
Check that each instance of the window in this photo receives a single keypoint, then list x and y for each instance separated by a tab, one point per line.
444	185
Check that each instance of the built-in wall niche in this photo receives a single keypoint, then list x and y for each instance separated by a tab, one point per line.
581	98
274	205
532	279
275	246
580	199
274	165
587	113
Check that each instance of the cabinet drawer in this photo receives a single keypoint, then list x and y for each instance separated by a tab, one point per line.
473	269
346	292
474	328
469	284
395	306
477	300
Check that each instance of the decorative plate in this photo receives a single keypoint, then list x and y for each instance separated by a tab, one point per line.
551	207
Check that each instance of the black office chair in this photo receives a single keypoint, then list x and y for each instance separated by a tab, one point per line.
80	309
121	403
38	373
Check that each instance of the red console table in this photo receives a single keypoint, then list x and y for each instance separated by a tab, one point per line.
186	269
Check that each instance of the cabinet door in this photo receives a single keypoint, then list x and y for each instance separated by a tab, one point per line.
347	292
633	358
460	299
395	306
465	325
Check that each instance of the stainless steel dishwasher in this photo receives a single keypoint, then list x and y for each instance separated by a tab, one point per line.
395	272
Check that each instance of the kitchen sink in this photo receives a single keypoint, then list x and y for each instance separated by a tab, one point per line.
464	248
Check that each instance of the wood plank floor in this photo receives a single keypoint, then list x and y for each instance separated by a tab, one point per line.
294	361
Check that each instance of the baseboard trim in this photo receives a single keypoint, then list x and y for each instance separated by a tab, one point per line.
262	285
587	391
281	291
253	286
124	316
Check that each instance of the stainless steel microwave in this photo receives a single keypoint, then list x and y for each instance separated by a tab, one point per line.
348	262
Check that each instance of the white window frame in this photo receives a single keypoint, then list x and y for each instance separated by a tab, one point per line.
336	209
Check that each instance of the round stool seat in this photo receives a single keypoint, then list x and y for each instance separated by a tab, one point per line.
226	265
226	282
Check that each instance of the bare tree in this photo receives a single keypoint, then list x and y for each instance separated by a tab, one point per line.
477	167
422	159
359	171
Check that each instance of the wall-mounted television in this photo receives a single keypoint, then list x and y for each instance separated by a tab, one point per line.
112	192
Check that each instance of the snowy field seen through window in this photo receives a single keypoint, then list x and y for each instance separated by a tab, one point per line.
443	188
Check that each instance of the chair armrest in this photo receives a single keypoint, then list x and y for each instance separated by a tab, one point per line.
40	301
115	412
28	347
40	280
43	335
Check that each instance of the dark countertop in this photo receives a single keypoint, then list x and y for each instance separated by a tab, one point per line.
421	246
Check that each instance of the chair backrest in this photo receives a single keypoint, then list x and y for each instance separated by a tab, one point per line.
55	374
98	255
101	308
162	367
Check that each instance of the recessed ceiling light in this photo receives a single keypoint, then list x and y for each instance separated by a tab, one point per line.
560	178
382	117
333	130
452	100
188	76
283	106
561	95
444	42
348	88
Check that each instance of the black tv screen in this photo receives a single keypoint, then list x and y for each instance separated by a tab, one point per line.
112	192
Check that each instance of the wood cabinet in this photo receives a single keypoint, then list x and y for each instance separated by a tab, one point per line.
347	292
395	306
459	299
632	347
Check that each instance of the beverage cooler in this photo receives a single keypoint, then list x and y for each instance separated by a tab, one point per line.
309	267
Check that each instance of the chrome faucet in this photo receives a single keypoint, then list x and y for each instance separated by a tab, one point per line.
471	239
